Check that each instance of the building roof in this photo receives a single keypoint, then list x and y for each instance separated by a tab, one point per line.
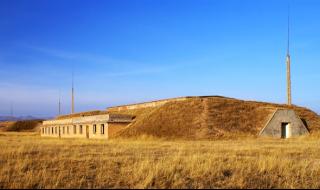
91	119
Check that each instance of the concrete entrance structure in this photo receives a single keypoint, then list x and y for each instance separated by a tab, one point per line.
96	126
284	123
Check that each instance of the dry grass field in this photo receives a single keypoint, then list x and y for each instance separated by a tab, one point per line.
29	161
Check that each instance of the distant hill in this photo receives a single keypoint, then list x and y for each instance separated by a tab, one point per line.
208	118
21	118
7	118
22	123
21	126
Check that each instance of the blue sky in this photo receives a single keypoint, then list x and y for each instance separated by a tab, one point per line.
139	50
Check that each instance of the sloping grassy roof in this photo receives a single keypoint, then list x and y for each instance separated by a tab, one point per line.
208	117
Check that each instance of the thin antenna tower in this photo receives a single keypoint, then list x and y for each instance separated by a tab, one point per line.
288	61
59	103
72	93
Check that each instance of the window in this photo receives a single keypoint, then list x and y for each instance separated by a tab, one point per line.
102	129
52	130
42	130
74	129
80	129
94	129
63	130
67	129
56	130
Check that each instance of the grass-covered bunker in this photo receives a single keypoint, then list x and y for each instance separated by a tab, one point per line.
204	117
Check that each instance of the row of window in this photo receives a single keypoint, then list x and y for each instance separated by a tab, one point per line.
65	129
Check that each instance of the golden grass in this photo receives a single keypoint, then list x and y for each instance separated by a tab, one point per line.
172	120
29	161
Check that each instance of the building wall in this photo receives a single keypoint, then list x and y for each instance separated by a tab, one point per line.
98	134
67	131
64	128
273	126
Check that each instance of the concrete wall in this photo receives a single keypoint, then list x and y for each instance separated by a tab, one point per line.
68	131
273	126
90	119
156	103
97	134
145	105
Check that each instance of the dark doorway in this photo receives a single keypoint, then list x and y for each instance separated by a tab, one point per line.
284	130
87	131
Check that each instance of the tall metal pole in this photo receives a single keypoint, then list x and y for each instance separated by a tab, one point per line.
72	91
288	61
59	103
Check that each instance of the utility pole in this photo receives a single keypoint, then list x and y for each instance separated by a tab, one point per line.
288	61
59	103
72	93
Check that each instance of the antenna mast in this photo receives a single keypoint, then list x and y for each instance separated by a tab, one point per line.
72	92
288	61
59	103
